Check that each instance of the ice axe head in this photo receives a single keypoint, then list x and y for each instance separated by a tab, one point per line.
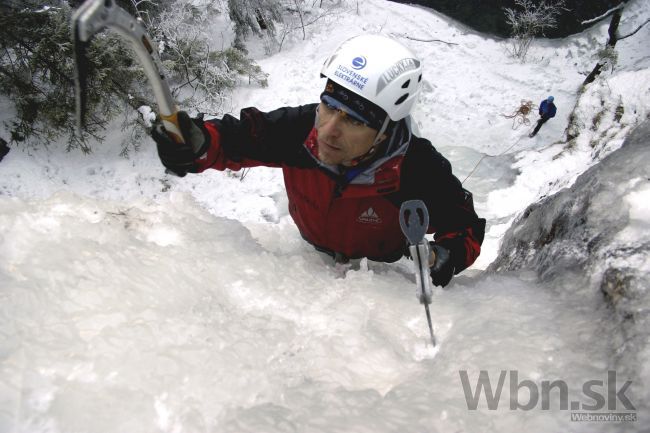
91	18
414	220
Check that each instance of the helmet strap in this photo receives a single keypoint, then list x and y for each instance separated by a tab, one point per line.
383	129
359	159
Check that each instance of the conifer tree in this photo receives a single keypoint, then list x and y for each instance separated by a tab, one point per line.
37	69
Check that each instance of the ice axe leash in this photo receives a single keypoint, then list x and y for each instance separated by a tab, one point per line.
414	221
92	17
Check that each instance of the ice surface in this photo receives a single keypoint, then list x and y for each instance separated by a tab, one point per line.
162	317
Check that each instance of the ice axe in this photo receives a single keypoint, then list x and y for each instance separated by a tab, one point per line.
414	221
92	17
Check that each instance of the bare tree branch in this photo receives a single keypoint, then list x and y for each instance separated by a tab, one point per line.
423	40
637	29
530	20
603	16
302	22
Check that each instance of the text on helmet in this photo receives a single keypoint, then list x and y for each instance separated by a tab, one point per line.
396	70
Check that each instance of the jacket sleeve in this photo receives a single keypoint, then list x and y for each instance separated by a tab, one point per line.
452	217
257	138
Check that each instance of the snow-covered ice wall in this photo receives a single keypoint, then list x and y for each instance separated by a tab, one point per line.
134	301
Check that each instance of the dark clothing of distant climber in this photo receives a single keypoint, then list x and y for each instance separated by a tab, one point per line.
547	109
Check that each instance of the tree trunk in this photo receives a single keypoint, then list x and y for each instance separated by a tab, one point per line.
611	42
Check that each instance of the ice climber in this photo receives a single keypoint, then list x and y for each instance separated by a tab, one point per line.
547	110
348	161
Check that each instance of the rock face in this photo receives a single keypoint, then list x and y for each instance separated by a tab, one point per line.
592	242
597	231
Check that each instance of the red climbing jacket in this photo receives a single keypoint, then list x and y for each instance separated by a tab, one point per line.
354	212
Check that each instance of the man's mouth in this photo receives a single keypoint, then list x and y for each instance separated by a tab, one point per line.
328	146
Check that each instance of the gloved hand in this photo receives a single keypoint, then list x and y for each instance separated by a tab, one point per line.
442	270
181	159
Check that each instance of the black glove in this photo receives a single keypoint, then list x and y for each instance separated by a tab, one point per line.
442	270
181	159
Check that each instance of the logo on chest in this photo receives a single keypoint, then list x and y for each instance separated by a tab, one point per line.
369	217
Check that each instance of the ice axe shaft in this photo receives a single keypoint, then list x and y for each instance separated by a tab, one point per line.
92	17
414	221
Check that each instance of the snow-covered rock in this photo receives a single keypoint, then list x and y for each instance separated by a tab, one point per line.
601	222
592	241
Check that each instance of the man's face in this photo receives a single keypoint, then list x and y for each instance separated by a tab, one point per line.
341	139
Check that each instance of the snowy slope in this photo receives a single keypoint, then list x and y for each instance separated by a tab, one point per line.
135	301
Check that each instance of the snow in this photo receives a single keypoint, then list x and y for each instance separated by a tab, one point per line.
240	338
148	115
131	300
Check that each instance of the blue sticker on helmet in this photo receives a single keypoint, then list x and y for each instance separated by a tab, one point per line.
359	62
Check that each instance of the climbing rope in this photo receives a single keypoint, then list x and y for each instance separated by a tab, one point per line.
520	115
490	156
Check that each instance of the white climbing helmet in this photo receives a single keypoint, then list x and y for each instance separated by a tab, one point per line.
379	69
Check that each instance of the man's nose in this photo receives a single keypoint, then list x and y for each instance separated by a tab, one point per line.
332	126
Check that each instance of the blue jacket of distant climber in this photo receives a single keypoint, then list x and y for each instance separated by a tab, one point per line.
547	109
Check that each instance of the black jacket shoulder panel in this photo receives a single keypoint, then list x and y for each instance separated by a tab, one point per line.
425	171
275	137
427	175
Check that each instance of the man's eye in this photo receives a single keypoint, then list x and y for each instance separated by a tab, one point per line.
330	107
353	121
